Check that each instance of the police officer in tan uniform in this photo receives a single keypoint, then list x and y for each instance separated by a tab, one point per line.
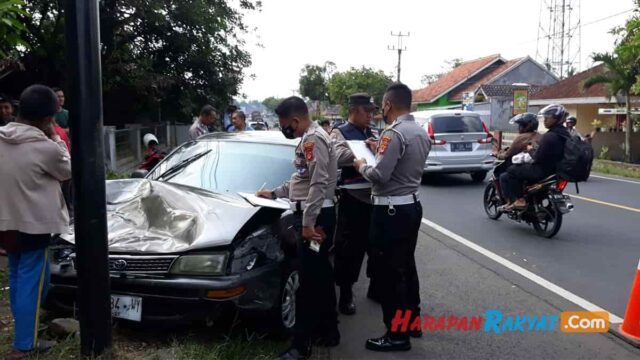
311	191
397	213
354	205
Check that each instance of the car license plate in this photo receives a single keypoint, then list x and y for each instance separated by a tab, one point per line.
466	146
126	307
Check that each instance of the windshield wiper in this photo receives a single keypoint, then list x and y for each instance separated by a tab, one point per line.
182	164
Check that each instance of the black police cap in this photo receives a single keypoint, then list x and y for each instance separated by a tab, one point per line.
361	99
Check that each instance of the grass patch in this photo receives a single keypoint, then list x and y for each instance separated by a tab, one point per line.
244	340
111	175
616	168
4	285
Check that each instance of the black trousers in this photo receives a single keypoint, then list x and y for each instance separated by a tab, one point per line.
316	296
352	238
512	181
393	245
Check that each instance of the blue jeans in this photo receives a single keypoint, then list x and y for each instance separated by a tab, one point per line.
28	283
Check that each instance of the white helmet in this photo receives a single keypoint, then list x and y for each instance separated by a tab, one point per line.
149	138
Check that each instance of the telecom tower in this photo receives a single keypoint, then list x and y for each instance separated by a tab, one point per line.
559	36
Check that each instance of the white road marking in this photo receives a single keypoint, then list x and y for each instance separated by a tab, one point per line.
616	179
585	304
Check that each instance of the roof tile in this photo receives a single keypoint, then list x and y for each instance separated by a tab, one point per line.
451	79
571	87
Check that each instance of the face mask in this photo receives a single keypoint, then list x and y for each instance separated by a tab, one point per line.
288	132
384	116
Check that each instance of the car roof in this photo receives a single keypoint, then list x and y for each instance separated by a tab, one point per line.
264	137
429	113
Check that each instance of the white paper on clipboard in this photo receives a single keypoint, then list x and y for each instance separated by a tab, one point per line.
361	151
258	201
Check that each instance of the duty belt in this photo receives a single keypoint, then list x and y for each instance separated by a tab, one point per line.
356	186
392	201
301	205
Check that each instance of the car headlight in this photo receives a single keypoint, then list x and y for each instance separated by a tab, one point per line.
209	264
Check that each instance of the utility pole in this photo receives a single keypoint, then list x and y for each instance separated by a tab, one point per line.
83	56
400	48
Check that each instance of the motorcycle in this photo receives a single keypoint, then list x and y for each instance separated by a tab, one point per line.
546	203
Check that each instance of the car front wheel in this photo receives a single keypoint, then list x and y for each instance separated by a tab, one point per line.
285	312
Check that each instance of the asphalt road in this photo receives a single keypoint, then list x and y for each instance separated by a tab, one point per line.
594	255
456	281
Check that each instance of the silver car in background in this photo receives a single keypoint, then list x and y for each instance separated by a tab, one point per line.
461	142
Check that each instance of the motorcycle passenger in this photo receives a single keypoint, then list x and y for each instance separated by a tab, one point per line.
527	134
545	158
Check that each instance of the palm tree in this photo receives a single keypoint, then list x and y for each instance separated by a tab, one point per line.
620	72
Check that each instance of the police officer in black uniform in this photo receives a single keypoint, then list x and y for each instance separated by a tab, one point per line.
354	206
397	213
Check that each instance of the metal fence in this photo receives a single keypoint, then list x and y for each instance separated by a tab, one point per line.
124	148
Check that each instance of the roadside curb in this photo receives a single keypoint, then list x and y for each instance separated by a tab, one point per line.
616	332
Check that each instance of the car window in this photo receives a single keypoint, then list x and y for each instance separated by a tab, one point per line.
456	124
231	166
420	120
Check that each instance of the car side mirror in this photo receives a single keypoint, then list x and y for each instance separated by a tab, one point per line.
139	174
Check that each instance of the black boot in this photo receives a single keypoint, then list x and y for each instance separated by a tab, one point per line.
346	304
387	343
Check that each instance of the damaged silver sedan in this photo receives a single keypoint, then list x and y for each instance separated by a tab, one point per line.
186	242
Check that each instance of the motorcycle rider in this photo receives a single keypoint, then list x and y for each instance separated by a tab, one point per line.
527	134
545	158
571	127
153	154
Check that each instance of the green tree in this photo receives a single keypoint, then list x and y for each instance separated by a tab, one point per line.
177	55
621	71
454	63
12	30
343	84
271	102
313	81
429	79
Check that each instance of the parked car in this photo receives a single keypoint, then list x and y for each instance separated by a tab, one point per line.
461	142
259	125
184	245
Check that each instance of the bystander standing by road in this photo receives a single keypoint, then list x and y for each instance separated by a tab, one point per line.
239	120
32	208
207	122
62	114
326	125
6	110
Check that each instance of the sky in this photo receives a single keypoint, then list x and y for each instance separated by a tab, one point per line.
355	33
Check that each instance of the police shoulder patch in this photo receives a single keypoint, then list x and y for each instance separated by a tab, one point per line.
307	147
384	144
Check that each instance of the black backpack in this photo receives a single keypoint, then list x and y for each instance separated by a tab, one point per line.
575	165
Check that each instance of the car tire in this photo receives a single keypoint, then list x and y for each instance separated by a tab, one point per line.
478	176
284	313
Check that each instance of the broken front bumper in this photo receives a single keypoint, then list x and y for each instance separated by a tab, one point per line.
176	298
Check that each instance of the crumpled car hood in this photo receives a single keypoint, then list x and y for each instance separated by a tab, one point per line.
158	217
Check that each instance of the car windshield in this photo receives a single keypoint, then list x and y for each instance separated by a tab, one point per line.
230	166
456	124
